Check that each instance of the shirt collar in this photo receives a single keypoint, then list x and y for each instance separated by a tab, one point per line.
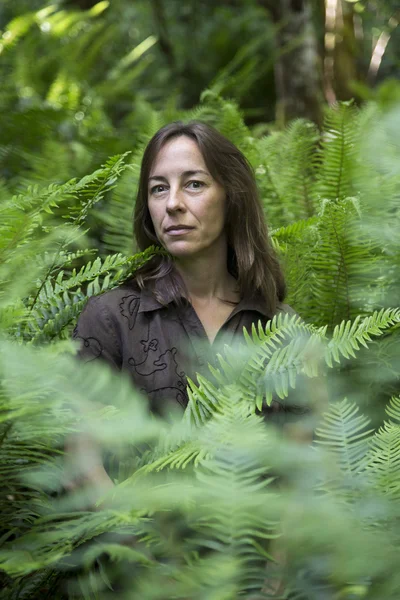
149	303
256	303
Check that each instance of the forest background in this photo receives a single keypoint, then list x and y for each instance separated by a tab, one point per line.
308	89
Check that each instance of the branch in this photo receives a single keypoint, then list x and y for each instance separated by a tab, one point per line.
380	48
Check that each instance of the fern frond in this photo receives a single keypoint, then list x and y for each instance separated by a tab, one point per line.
393	408
186	454
277	354
296	245
231	476
291	152
227	117
348	336
117	215
48	324
382	462
24	214
293	230
59	302
117	553
48	544
343	433
338	155
92	188
342	264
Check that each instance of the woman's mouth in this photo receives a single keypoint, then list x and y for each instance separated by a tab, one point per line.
178	230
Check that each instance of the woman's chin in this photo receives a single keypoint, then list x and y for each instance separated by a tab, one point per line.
180	251
181	255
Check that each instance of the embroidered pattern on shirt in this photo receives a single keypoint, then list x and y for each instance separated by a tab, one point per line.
91	343
128	307
155	360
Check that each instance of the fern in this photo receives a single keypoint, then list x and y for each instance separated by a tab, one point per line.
58	304
286	348
290	151
383	460
92	188
230	473
117	218
349	336
344	433
338	153
393	409
199	500
24	214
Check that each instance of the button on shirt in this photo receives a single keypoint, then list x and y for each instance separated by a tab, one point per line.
160	346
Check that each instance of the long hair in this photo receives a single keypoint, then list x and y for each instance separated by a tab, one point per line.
251	258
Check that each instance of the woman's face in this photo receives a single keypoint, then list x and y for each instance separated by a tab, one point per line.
183	195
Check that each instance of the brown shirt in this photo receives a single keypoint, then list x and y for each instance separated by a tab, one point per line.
158	345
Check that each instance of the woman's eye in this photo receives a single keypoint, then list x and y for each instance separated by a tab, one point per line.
157	189
196	185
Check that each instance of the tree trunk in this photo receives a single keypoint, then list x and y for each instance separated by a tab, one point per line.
345	53
298	69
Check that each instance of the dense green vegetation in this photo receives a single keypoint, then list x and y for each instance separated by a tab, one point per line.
222	504
341	256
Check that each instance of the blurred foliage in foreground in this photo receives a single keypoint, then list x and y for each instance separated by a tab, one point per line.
220	504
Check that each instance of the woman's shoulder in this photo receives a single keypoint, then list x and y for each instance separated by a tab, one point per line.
285	309
111	300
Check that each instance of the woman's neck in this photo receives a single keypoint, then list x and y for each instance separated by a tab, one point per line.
207	277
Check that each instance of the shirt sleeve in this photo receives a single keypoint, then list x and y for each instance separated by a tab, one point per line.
97	334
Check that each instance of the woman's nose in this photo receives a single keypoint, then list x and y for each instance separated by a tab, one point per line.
175	200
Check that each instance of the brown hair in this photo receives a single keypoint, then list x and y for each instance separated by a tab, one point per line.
251	258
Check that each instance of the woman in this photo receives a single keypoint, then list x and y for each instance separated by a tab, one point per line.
198	200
